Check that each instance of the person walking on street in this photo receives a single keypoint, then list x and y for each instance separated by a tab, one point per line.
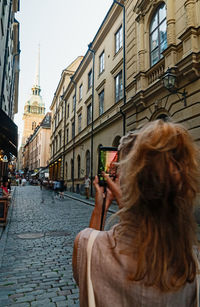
87	186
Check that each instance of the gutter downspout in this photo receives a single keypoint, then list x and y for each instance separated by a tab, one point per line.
75	85
124	65
12	84
5	55
92	124
63	173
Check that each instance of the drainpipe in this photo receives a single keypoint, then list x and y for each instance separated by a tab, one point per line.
5	55
12	84
124	65
92	124
63	173
75	85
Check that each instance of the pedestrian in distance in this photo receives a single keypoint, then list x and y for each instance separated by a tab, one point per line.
20	181
87	186
23	182
151	256
62	188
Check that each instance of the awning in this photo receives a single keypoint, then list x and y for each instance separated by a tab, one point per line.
34	174
8	134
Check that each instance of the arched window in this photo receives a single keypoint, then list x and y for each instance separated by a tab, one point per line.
72	169
79	166
87	162
66	170
158	34
33	125
116	141
164	117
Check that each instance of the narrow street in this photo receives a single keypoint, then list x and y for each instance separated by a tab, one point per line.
36	249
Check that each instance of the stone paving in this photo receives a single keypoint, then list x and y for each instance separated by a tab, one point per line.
36	249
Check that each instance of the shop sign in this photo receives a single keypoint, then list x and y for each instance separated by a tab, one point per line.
5	158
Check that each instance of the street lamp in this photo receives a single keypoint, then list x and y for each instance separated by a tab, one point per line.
169	81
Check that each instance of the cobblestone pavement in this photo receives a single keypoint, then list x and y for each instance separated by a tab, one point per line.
36	249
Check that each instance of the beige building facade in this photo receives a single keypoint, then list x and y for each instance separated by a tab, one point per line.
36	152
121	82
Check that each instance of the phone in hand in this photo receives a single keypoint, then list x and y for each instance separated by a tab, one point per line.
108	156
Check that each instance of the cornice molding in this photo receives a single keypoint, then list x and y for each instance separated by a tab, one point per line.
101	85
117	67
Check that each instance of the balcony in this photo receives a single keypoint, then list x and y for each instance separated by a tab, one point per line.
155	72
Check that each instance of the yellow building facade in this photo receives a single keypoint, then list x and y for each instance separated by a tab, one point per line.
36	151
141	48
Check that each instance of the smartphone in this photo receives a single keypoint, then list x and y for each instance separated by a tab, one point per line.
108	156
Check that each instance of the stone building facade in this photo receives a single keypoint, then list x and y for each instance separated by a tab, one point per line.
59	111
9	80
119	85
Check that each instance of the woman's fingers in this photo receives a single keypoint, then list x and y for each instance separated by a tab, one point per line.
114	187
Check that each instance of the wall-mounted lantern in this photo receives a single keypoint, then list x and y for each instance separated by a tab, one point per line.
169	81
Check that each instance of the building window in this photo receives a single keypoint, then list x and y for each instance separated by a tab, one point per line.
74	103
89	114
2	29
158	34
68	111
118	87
60	139
101	102
79	166
72	169
67	135
56	144
80	91
87	163
90	79
66	170
101	63
33	125
53	147
73	130
118	40
79	122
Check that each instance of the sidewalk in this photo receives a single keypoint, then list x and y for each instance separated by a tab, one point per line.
113	208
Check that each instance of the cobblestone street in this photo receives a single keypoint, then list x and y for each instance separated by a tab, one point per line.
36	249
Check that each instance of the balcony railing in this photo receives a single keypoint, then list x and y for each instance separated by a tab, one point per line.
155	72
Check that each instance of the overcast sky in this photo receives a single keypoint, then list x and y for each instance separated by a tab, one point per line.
63	28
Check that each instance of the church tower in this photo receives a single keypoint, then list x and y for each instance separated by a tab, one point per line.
34	109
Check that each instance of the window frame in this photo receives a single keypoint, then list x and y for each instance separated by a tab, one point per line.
89	112
118	39
73	103
101	108
73	129
81	92
119	87
79	122
102	62
157	28
90	79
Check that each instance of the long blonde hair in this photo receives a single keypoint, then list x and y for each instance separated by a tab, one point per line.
159	181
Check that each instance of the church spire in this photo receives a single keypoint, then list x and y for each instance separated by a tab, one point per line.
37	75
36	87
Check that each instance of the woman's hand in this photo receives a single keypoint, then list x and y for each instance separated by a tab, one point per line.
113	189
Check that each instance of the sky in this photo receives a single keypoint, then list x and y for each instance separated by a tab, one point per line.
63	29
